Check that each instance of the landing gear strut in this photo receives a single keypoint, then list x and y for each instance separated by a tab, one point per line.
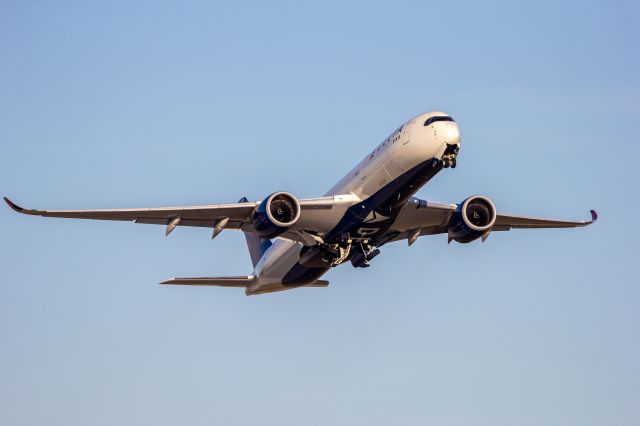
448	162
363	255
449	156
324	255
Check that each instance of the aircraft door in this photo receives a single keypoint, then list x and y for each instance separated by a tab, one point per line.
404	134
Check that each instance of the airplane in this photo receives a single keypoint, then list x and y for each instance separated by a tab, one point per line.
293	242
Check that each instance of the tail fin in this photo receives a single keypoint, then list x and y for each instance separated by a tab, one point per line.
257	246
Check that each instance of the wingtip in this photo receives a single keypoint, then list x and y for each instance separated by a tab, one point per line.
594	215
13	205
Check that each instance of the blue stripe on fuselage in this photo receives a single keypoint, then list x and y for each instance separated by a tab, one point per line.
370	218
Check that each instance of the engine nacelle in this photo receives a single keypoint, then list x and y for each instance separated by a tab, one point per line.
474	218
275	214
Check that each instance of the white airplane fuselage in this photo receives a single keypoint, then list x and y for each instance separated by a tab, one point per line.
293	242
393	171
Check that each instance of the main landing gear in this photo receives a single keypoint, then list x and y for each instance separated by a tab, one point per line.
362	255
324	256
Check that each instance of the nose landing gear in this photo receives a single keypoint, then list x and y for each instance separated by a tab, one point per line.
449	162
449	156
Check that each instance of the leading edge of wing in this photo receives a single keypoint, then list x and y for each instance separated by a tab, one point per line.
187	212
305	204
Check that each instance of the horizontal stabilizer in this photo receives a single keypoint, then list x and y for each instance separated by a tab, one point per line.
242	282
319	283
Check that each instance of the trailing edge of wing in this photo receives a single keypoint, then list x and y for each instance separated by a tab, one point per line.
242	281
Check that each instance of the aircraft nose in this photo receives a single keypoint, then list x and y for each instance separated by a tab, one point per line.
452	134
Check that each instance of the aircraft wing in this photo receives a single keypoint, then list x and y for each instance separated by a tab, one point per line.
420	217
505	222
318	215
204	216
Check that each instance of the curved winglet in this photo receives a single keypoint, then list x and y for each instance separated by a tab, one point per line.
13	205
594	215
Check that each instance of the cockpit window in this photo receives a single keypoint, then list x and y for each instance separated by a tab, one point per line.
438	118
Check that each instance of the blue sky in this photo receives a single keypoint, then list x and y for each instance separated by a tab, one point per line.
127	104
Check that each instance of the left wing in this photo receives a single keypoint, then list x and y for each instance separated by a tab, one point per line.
420	217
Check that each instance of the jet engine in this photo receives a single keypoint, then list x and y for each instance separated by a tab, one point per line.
275	214
474	218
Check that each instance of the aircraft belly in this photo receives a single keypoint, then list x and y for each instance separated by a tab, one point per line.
371	217
382	182
278	261
280	270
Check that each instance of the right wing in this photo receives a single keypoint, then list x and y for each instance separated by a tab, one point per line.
318	215
203	216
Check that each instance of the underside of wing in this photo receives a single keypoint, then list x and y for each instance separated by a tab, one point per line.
504	222
204	216
419	217
315	216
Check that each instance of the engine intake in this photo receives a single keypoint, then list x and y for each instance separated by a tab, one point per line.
275	214
474	218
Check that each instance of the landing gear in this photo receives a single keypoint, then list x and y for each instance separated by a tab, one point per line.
449	156
363	255
323	255
449	162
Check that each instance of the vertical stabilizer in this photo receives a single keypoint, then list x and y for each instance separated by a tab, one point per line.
257	246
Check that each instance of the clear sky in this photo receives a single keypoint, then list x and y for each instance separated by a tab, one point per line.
142	104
